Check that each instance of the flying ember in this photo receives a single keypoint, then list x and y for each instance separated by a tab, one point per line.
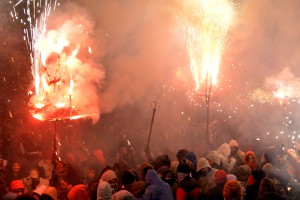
207	23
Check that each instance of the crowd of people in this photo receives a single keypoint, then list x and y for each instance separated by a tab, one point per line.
227	173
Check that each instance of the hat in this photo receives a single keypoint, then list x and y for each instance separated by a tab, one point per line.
108	175
214	157
183	168
78	192
191	157
233	143
220	176
231	177
232	190
16	184
50	191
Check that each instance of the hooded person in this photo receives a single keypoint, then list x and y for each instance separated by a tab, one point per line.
145	166
236	153
242	174
216	192
213	158
156	187
224	151
110	177
188	187
250	159
233	190
206	174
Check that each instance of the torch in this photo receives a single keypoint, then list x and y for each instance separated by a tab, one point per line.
147	149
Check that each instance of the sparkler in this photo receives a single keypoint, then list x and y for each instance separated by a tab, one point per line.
207	25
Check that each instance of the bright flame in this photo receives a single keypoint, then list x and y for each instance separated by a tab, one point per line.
207	25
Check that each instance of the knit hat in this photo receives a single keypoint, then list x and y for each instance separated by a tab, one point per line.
214	157
191	158
109	175
50	191
183	170
78	192
16	184
220	176
233	143
232	190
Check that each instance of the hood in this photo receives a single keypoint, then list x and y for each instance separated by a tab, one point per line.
202	163
151	177
224	149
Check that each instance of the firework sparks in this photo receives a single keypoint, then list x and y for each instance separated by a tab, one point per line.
54	60
207	25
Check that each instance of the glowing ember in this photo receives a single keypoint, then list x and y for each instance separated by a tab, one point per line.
207	25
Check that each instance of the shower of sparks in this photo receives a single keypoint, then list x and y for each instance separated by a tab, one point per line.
52	63
261	96
207	25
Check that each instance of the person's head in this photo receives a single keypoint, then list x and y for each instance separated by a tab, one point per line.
234	147
233	190
16	166
91	173
78	192
34	176
266	185
17	187
220	177
110	177
62	169
181	154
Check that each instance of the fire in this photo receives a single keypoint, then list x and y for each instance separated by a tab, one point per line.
207	25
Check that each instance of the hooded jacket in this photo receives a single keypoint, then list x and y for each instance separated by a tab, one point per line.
206	181
156	189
